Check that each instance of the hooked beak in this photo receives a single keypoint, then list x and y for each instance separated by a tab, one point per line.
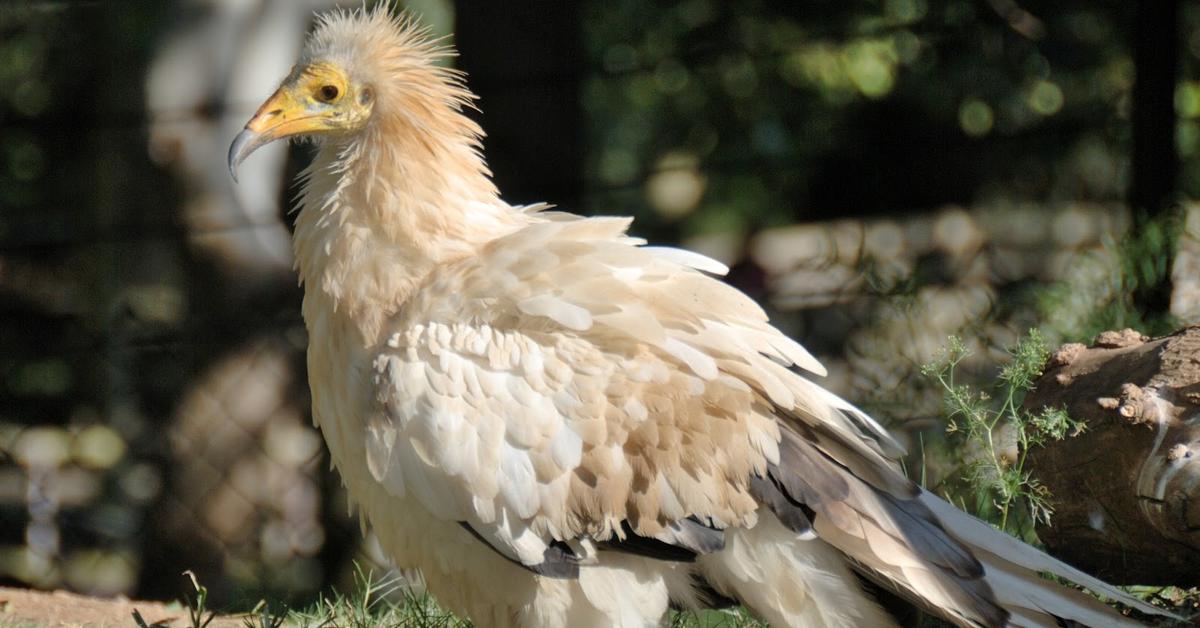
245	143
282	115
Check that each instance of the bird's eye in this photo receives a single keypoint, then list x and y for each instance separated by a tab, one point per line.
328	93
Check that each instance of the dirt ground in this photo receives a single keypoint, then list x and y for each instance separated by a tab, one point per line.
23	608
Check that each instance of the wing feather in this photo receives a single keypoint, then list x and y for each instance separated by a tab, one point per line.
566	385
687	258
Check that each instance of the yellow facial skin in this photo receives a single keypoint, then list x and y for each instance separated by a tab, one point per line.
315	99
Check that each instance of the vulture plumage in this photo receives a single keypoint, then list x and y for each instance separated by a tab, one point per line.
561	426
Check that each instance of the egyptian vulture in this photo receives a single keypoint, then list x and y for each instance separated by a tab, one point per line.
561	426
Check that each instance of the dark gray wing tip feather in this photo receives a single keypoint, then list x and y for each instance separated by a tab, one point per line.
690	537
794	515
558	561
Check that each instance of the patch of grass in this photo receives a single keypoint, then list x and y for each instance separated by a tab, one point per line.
262	616
737	617
422	611
383	602
388	603
374	605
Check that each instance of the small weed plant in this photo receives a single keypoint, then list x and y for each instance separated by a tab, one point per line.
1005	491
199	615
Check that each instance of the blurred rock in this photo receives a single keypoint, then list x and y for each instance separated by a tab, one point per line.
909	283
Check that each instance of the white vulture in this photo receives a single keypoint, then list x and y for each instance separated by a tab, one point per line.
560	426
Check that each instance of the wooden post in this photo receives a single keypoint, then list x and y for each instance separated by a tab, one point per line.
1156	59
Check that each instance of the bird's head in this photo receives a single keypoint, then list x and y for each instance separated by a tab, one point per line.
349	61
319	98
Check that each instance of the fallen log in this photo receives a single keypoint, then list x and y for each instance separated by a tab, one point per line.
1125	492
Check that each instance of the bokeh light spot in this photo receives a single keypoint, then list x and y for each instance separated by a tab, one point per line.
1187	137
671	76
46	447
1045	98
871	66
99	447
1187	99
975	117
677	186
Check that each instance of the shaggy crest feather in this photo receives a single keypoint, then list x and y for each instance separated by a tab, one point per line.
561	427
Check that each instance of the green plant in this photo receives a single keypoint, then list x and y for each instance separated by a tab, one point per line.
265	617
198	612
198	605
1006	492
1127	284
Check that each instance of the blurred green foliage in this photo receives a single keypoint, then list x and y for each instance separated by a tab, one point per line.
1116	282
796	111
79	201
